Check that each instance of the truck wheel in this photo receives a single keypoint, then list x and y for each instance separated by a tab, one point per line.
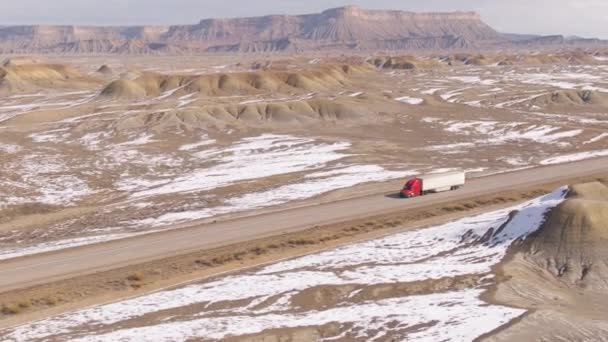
455	187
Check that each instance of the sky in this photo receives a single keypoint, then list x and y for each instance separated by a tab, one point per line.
586	18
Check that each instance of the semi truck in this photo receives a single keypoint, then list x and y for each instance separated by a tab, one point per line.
432	183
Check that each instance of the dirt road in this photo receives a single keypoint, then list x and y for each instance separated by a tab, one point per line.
42	268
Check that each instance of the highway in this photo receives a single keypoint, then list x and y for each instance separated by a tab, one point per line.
41	268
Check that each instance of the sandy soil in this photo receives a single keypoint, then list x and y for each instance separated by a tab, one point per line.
560	273
308	302
150	142
100	148
54	298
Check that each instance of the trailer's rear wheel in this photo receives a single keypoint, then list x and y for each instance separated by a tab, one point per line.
456	187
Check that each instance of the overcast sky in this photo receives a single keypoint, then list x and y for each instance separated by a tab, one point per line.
587	18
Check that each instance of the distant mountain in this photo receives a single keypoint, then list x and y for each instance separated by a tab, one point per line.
345	28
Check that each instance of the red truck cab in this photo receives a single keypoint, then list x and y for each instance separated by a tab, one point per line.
434	182
412	188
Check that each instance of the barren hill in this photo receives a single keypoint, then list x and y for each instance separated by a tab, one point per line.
560	272
19	78
342	28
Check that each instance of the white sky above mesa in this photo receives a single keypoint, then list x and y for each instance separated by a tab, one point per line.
588	18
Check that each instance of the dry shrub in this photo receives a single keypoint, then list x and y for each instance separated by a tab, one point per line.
238	255
204	263
136	276
300	242
258	251
10	309
222	259
25	304
50	300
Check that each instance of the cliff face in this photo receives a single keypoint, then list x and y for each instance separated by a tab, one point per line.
339	28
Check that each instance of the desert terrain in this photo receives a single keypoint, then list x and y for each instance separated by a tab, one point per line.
105	156
437	282
348	28
174	183
98	152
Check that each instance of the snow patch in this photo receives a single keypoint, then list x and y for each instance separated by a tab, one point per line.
574	157
311	185
262	156
195	146
596	139
10	148
431	91
473	80
410	100
467	246
141	140
501	132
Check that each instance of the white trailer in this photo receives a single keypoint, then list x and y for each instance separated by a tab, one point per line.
437	182
446	181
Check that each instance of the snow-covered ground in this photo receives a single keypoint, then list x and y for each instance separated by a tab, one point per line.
44	178
498	133
285	99
10	148
557	77
262	299
14	106
474	80
263	156
410	100
512	87
311	185
592	140
99	154
308	166
567	158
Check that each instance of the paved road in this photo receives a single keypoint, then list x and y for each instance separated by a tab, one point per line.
31	270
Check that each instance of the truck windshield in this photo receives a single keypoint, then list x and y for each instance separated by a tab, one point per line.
408	185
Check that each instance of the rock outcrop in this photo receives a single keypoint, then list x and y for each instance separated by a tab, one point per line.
345	28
